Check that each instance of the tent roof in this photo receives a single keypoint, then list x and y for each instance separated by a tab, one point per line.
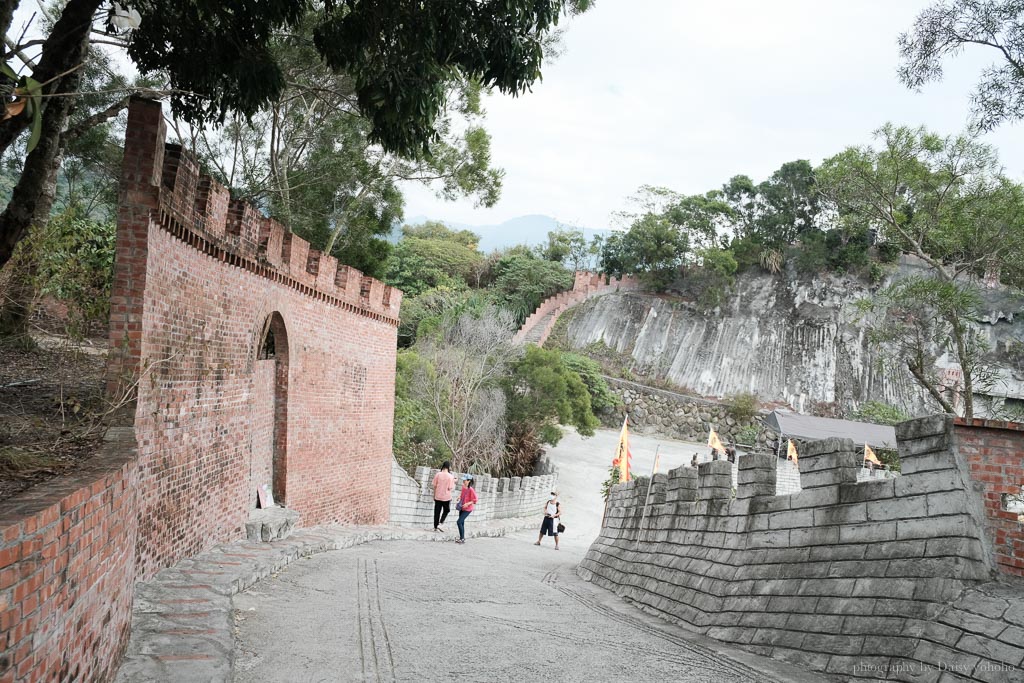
812	428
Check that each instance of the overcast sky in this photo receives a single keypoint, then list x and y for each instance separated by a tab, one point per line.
686	94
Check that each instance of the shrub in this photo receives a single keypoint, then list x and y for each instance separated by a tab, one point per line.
747	436
601	396
879	413
742	406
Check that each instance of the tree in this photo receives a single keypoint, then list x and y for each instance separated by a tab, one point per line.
944	200
655	250
446	260
522	282
541	393
460	383
946	29
401	58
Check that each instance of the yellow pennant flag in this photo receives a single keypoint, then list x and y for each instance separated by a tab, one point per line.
623	458
715	442
791	452
869	455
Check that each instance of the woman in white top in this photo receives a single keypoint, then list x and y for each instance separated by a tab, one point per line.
552	517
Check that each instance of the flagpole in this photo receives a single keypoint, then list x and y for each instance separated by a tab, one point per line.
650	483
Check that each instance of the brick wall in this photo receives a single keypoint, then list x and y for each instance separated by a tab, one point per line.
201	282
67	569
994	452
585	286
412	499
883	578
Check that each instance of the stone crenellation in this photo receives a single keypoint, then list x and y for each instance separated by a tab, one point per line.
412	499
894	578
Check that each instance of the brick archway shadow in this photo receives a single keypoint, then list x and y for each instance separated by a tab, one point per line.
274	346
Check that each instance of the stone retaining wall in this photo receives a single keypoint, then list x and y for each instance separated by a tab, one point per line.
67	569
412	499
890	578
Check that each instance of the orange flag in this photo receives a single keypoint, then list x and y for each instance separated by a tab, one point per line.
870	456
715	442
791	452
623	458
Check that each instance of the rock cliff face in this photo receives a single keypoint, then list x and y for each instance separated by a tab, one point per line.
784	339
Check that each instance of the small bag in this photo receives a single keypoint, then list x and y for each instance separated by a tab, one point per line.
458	506
561	527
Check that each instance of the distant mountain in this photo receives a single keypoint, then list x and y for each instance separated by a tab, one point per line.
531	230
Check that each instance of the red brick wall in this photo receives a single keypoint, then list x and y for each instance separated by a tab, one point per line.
196	279
67	570
994	452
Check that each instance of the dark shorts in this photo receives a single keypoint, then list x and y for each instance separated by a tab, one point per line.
548	527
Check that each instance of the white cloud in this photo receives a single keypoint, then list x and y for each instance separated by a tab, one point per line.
688	94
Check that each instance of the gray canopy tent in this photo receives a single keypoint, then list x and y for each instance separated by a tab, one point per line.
792	425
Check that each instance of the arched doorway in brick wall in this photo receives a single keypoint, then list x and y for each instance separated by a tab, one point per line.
273	349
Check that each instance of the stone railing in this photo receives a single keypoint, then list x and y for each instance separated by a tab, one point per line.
871	580
412	499
587	285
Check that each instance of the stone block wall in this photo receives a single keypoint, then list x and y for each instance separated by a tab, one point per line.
256	359
67	569
412	499
585	286
889	578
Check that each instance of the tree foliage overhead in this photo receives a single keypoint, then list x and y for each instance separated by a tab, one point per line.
948	27
400	55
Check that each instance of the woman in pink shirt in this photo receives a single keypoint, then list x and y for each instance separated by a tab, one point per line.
444	484
467	501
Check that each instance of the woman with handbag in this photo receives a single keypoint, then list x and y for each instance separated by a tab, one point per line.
467	501
552	523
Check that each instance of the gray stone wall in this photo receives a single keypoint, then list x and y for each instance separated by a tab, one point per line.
412	499
674	415
879	579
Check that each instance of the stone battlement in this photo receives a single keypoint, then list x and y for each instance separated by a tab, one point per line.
839	575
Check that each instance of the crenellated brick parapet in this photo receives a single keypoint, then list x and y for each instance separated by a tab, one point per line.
893	578
586	285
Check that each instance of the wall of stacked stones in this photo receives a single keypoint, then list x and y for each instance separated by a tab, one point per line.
678	416
67	568
200	282
892	578
412	498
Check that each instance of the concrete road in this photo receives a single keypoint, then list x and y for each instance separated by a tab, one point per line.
491	610
494	610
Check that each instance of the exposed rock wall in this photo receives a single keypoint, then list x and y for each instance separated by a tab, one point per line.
783	339
881	579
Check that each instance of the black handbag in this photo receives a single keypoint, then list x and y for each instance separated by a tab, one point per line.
561	527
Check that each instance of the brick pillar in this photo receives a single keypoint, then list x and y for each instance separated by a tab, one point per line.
715	480
138	202
756	476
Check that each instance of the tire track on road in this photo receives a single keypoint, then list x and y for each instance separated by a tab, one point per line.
375	653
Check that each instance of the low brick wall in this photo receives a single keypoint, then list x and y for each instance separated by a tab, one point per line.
994	452
412	499
887	578
67	569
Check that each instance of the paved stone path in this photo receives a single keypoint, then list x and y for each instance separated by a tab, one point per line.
181	621
491	610
316	608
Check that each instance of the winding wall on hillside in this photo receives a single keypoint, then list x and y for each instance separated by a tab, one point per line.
538	326
904	578
801	342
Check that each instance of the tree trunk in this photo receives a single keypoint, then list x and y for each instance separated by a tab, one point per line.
64	49
28	196
932	391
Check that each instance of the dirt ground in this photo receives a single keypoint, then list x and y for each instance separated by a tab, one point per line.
51	409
